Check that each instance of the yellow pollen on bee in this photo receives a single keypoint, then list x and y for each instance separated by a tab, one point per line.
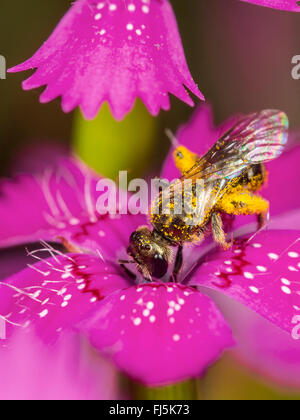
184	159
242	202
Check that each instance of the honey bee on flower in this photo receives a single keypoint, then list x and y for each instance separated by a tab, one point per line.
231	174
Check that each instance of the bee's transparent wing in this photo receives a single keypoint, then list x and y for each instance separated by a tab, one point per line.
193	202
254	139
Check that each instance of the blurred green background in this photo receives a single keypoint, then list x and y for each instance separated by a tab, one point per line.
239	54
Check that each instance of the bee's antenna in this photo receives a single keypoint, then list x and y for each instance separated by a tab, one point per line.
127	271
173	139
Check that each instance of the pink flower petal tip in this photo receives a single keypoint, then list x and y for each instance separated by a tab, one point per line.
116	52
289	5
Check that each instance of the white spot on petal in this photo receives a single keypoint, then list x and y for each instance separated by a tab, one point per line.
150	305
44	313
261	268
293	254
285	281
74	222
145	9
286	290
170	311
273	256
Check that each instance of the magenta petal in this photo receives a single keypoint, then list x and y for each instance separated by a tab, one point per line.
198	135
264	348
61	202
263	274
30	370
290	5
159	333
287	221
56	293
283	172
115	52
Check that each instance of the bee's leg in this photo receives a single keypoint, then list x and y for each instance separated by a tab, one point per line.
262	220
178	263
129	273
218	232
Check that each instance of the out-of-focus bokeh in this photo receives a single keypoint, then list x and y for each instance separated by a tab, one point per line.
239	54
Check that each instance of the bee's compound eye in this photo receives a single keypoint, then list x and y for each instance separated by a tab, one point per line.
133	237
160	266
180	155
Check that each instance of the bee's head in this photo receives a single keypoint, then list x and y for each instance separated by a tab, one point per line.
150	252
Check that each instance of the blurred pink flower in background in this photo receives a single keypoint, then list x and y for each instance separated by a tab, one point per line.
116	52
30	370
290	5
156	333
263	347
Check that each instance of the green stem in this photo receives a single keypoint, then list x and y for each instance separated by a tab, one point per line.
188	390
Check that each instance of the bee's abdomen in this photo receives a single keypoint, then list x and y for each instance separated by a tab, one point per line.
177	223
255	177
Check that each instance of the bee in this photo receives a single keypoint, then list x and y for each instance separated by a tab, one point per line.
231	174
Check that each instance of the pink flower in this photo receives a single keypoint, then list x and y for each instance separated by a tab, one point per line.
264	348
30	370
290	5
116	51
113	51
157	333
